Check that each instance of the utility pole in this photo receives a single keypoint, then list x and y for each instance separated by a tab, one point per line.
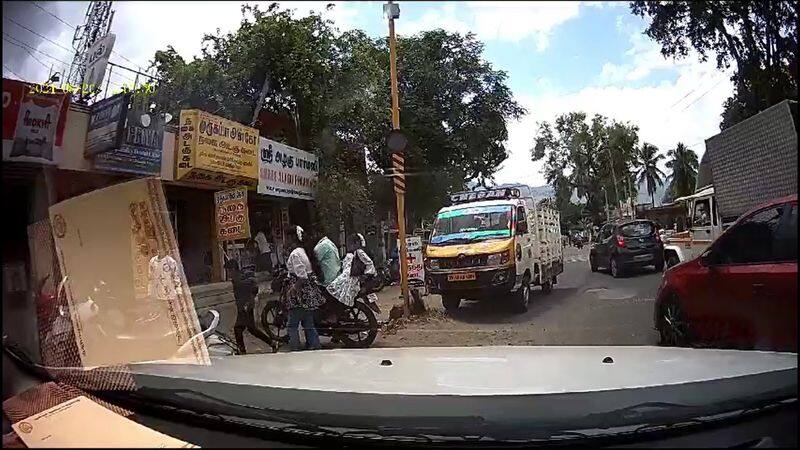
605	195
392	11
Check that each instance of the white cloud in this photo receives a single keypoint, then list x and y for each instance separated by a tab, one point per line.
664	113
505	21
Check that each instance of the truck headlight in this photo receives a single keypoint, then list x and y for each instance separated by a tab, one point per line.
433	263
498	259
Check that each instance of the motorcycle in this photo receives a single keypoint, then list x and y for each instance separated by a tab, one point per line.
218	343
355	326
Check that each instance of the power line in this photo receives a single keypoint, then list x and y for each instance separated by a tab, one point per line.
28	51
14	73
40	35
74	27
704	93
55	16
26	46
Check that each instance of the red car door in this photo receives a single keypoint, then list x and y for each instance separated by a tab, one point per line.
752	284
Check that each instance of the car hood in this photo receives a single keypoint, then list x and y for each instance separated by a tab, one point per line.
498	391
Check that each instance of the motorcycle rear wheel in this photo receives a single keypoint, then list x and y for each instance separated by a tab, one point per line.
365	321
274	320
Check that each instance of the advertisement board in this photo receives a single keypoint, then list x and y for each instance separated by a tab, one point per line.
217	151
107	124
232	218
416	266
97	60
33	123
142	144
285	171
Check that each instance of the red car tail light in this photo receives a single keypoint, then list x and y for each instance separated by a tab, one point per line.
620	241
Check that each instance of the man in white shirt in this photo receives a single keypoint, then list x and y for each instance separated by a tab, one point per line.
264	260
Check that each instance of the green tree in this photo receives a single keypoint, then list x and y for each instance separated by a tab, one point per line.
759	37
683	163
454	105
572	150
622	147
588	156
649	173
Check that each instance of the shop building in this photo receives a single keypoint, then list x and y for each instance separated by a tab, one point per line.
90	152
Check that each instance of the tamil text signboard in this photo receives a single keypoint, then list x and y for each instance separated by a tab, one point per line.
286	171
216	151
232	217
97	60
416	267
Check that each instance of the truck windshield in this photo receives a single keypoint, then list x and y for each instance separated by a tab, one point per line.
472	223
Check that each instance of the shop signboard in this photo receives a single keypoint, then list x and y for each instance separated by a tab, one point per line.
33	123
285	171
142	145
216	151
107	124
232	218
416	266
97	60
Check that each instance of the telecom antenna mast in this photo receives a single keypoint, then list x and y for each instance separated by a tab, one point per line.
96	25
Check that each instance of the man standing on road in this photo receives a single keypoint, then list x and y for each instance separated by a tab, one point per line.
245	288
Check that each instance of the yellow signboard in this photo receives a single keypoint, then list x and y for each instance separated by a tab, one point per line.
233	221
214	150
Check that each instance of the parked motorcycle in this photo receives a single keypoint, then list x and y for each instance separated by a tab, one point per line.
218	343
355	327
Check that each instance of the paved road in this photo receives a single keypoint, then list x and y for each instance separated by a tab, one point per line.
584	308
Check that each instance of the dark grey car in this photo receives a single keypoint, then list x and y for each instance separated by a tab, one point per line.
623	245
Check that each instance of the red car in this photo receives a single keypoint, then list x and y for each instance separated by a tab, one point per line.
742	291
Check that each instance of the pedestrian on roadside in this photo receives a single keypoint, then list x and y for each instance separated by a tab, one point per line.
264	261
303	297
245	289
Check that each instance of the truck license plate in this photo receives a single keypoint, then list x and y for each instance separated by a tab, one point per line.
461	276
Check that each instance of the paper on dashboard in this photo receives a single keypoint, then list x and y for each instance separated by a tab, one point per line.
80	422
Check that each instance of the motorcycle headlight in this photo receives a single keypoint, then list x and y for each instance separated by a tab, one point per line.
497	259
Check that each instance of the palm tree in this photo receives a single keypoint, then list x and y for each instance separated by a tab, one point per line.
683	162
647	159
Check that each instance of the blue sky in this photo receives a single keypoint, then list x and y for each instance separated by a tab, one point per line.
559	56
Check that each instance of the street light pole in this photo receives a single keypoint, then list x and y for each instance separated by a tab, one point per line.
392	12
605	195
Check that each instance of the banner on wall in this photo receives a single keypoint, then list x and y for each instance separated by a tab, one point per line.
232	217
285	171
33	123
216	151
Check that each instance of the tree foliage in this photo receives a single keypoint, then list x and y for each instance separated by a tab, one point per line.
587	156
683	163
759	38
454	105
649	173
